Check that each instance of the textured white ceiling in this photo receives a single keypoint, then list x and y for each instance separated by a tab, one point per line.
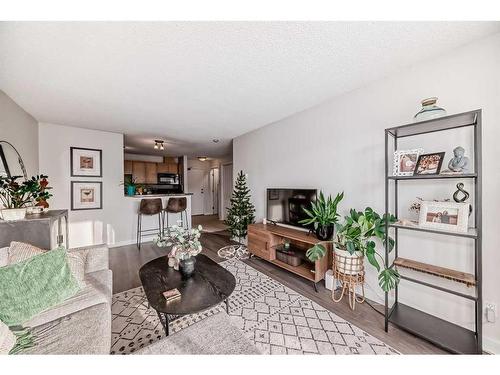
190	82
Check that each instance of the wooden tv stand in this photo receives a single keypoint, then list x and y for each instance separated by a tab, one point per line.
264	238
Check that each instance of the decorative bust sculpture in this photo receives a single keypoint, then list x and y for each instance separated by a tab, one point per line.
459	163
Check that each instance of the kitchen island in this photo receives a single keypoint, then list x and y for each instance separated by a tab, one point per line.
148	222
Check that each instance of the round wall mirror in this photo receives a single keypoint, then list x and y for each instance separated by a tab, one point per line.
11	162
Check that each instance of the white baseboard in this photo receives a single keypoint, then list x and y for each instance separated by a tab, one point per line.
491	345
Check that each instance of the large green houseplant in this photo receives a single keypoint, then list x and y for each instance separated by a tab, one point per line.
323	215
356	238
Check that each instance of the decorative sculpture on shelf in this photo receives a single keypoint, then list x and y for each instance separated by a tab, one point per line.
459	163
465	196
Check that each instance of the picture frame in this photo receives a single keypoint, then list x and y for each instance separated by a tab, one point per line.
85	162
429	164
86	195
445	216
405	161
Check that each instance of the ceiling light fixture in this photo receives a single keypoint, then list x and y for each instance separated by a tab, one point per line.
202	158
159	144
215	140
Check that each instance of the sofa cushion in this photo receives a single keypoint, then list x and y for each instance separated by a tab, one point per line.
34	285
87	331
213	335
19	251
7	339
98	290
4	256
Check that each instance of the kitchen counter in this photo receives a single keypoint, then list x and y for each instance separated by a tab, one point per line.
158	195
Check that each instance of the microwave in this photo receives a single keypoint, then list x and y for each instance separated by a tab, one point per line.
168	179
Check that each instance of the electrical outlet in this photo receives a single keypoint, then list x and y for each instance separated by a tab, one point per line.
491	312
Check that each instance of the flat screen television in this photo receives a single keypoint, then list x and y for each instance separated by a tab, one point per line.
286	205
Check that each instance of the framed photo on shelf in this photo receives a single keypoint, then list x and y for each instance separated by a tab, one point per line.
449	216
85	162
405	161
86	195
429	163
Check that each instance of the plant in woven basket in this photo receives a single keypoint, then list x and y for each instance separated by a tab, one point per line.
241	212
357	235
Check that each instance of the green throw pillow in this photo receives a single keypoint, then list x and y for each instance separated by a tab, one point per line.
34	285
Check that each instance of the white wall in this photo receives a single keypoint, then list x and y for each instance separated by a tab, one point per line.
19	128
115	224
339	146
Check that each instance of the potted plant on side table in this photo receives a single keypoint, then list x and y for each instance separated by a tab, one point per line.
16	197
185	246
323	215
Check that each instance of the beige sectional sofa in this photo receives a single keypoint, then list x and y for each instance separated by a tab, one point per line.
82	323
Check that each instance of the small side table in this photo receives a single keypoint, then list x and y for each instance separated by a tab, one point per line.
37	229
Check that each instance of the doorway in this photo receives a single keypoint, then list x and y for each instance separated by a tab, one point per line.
226	189
198	186
214	190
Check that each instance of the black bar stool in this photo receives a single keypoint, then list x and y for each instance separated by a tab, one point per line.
149	207
176	206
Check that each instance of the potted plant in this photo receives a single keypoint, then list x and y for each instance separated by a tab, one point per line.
17	196
323	215
130	186
185	246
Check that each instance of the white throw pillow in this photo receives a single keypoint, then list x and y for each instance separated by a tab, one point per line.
4	256
7	339
19	251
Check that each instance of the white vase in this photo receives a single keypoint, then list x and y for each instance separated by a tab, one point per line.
347	263
13	214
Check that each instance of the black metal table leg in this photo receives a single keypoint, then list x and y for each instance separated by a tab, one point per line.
164	322
227	305
315	287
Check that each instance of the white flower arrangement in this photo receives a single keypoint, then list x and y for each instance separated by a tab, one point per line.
185	243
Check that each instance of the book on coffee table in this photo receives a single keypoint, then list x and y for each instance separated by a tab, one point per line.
172	294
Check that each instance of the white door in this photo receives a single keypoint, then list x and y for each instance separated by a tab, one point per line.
198	186
227	188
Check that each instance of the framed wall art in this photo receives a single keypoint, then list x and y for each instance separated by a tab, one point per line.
86	195
450	216
405	161
85	162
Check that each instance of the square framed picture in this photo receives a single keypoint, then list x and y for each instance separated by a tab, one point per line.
450	216
86	162
86	195
429	163
405	162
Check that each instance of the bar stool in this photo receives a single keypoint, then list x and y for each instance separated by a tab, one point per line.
148	207
175	206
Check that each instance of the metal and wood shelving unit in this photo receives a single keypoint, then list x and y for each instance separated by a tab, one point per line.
442	333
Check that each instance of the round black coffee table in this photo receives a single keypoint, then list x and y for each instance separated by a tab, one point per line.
208	286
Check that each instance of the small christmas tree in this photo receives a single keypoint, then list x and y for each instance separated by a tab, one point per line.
241	212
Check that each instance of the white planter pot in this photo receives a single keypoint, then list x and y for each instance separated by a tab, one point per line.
347	263
13	214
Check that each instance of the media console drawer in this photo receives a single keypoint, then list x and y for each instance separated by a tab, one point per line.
259	244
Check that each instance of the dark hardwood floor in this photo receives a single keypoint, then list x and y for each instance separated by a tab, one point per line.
125	262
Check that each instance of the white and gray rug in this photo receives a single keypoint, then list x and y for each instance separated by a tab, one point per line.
276	318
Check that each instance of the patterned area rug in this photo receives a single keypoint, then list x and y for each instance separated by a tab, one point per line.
276	318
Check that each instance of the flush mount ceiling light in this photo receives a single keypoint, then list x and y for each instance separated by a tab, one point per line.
159	144
215	140
202	158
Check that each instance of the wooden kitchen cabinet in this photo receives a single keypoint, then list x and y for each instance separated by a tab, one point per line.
139	171
151	173
128	167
